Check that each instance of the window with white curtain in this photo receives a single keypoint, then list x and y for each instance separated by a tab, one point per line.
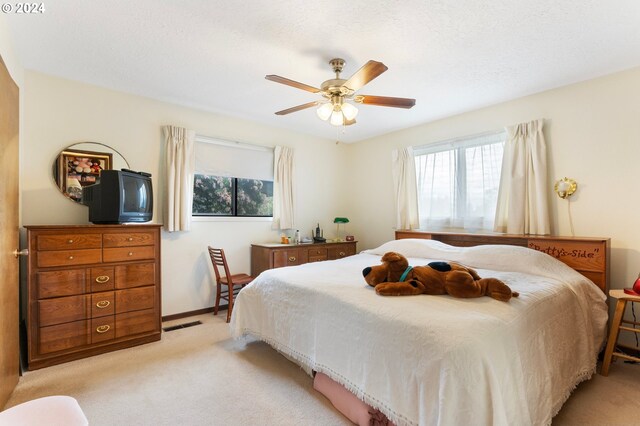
458	182
232	179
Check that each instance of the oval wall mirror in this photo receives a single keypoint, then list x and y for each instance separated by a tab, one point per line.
80	164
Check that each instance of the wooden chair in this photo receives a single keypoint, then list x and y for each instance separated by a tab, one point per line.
623	298
233	283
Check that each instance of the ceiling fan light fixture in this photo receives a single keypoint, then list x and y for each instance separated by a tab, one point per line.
337	118
324	112
349	111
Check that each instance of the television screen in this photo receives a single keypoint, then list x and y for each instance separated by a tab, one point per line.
136	193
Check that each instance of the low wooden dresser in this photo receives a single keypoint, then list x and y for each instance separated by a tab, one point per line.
269	256
91	289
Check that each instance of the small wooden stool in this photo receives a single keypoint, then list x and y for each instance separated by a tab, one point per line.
623	298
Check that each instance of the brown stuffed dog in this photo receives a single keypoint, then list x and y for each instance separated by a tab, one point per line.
396	278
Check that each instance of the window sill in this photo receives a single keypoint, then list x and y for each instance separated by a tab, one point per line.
230	219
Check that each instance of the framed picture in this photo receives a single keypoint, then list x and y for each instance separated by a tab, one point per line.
77	169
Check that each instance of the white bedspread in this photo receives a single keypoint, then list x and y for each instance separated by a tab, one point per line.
436	360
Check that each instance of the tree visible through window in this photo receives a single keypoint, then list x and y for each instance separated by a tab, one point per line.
228	196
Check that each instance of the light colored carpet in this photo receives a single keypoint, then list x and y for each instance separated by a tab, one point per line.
200	376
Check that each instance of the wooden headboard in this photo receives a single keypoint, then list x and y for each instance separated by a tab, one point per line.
589	256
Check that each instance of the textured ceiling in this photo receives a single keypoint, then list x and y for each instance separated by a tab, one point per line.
451	56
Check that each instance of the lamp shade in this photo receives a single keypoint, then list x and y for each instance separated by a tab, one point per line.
349	111
337	119
325	110
340	220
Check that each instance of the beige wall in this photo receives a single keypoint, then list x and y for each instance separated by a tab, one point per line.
593	134
8	55
591	128
61	112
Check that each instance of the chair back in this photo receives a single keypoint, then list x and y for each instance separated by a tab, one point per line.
219	260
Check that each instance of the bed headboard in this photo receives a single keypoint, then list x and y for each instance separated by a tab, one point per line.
589	256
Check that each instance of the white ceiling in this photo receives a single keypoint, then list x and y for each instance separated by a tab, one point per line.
451	56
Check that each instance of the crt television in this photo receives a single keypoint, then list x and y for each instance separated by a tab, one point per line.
121	196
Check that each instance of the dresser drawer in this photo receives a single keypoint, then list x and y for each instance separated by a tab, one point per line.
46	259
137	322
129	239
317	258
317	252
135	275
61	310
125	254
135	299
101	279
103	329
342	251
287	258
69	241
102	304
60	283
64	336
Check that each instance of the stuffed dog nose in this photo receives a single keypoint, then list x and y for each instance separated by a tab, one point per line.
366	271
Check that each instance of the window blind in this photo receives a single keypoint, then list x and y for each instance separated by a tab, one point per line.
218	157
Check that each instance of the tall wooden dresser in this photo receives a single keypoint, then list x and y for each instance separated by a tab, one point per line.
91	289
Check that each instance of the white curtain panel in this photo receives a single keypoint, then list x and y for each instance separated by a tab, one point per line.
283	217
180	148
406	192
523	206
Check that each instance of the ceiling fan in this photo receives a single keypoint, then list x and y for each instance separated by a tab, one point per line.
337	92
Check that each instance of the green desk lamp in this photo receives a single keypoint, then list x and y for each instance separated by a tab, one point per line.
338	221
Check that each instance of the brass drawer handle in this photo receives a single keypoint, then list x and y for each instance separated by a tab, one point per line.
70	242
102	304
341	253
130	239
70	257
130	253
103	328
102	279
292	258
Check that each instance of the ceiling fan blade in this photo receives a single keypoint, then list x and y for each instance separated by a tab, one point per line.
297	108
385	101
292	83
349	122
368	72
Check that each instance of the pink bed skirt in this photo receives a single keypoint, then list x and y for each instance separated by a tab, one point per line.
348	404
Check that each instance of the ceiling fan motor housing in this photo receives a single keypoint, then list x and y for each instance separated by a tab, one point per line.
335	87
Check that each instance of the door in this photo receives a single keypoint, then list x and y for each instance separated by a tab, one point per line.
9	284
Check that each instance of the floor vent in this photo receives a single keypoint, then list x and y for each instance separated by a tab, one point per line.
179	326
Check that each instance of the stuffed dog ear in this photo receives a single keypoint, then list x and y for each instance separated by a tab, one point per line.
392	257
396	265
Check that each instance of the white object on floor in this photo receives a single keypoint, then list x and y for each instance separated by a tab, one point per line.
51	410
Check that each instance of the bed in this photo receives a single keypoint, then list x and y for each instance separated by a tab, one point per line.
437	360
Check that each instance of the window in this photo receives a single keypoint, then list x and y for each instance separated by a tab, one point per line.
458	182
232	179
